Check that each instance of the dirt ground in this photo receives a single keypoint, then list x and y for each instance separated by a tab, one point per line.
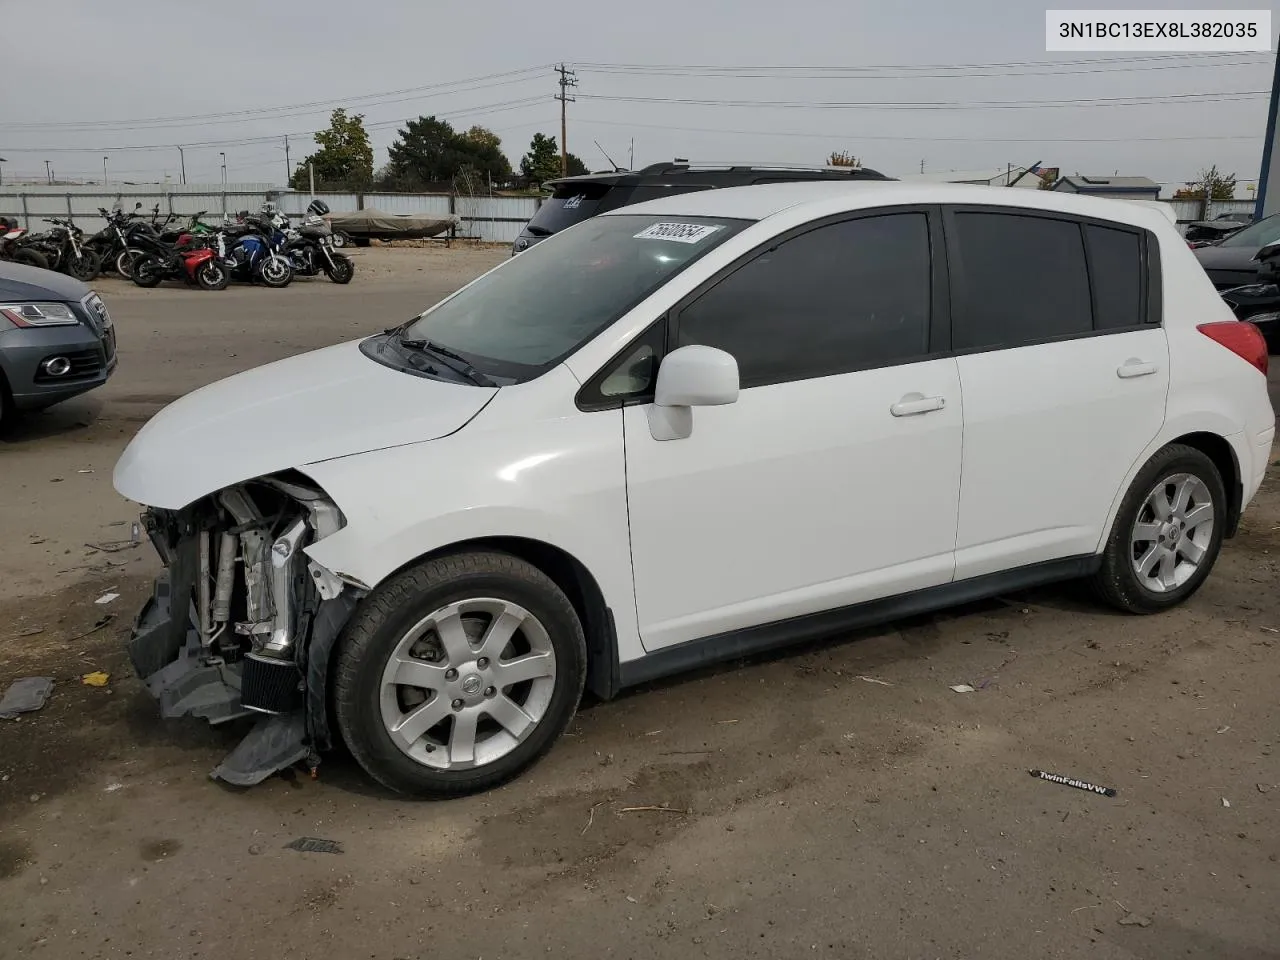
837	801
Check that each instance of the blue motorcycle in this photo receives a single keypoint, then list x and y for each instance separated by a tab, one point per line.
251	248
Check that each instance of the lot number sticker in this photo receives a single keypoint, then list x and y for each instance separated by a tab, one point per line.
678	232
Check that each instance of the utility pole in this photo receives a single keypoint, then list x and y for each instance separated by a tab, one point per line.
288	168
567	79
105	181
224	169
311	175
922	165
2	160
182	159
631	163
48	172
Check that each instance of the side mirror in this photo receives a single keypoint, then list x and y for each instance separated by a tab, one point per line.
692	376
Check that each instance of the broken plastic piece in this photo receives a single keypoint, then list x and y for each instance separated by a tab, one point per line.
314	845
962	688
107	598
96	679
25	696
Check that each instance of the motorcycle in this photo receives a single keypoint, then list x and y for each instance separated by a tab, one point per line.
64	248
310	247
253	253
192	259
1259	303
10	234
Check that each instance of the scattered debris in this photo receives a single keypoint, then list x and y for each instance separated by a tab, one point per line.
1072	782
1263	788
34	798
113	787
653	733
25	696
98	678
26	632
1134	920
1269	629
255	849
1226	802
314	845
631	899
963	688
84	471
592	817
883	683
97	625
113	546
107	597
652	808
1223	729
1088	906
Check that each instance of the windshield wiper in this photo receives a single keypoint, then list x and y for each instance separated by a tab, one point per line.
448	359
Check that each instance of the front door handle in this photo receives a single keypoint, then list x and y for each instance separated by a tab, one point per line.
914	404
1133	367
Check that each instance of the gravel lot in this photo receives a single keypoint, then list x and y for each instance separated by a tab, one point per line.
837	801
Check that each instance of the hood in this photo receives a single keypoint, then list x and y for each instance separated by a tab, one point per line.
316	406
1226	258
21	282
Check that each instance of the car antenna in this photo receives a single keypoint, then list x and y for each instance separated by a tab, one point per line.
616	168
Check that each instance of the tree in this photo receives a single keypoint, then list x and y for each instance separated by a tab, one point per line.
542	162
429	150
843	158
1209	183
345	157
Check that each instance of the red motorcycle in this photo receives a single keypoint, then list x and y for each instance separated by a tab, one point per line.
10	250
191	259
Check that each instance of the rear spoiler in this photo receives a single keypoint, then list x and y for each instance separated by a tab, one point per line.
1165	208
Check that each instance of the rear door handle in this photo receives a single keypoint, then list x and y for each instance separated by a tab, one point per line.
1133	367
914	404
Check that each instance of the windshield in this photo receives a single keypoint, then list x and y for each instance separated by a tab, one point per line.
523	318
1257	235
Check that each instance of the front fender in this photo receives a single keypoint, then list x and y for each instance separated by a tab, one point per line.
559	480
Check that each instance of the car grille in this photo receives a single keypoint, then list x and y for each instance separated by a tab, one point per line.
102	323
84	364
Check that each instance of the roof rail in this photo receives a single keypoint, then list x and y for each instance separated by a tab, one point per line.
663	167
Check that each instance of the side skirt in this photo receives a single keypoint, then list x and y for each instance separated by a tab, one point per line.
784	633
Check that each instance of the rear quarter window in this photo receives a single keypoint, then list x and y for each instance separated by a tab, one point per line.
1115	269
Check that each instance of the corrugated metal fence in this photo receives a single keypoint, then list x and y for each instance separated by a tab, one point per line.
492	219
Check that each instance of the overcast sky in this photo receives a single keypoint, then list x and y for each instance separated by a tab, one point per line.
90	71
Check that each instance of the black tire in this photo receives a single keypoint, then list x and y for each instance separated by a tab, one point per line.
384	618
1117	582
124	261
32	258
341	239
275	280
360	241
84	267
146	271
212	275
343	269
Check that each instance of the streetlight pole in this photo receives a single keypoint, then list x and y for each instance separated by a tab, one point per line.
2	160
104	172
182	160
48	172
224	168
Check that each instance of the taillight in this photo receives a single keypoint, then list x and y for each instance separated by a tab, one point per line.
1243	339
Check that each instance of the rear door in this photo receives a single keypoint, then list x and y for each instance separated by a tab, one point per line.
1064	369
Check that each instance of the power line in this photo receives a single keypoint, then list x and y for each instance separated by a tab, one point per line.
1216	97
721	68
829	135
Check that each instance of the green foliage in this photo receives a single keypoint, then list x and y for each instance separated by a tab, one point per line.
1217	186
429	150
542	162
345	157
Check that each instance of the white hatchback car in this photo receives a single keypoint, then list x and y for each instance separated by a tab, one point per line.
677	434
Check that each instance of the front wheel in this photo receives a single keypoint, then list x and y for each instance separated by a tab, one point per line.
84	266
342	270
147	271
458	674
1167	533
125	259
276	272
212	275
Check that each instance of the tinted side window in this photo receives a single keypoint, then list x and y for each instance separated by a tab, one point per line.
842	297
1022	279
1115	266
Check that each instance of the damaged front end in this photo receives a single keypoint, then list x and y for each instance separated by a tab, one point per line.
242	622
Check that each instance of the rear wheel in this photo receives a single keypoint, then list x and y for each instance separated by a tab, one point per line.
212	275
125	259
147	271
458	674
1167	533
32	258
342	270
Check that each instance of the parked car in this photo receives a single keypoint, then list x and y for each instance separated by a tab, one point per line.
56	339
1231	262
680	433
574	199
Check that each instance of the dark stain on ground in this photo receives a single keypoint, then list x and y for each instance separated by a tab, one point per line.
156	850
15	856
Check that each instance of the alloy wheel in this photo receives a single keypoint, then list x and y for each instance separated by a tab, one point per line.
1172	533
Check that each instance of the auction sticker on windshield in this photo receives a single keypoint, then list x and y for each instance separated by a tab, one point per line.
679	232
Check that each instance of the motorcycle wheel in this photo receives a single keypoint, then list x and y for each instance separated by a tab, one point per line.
84	267
146	271
32	258
212	276
125	260
275	273
343	269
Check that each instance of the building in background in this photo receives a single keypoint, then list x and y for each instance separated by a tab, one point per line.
1115	188
1022	177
